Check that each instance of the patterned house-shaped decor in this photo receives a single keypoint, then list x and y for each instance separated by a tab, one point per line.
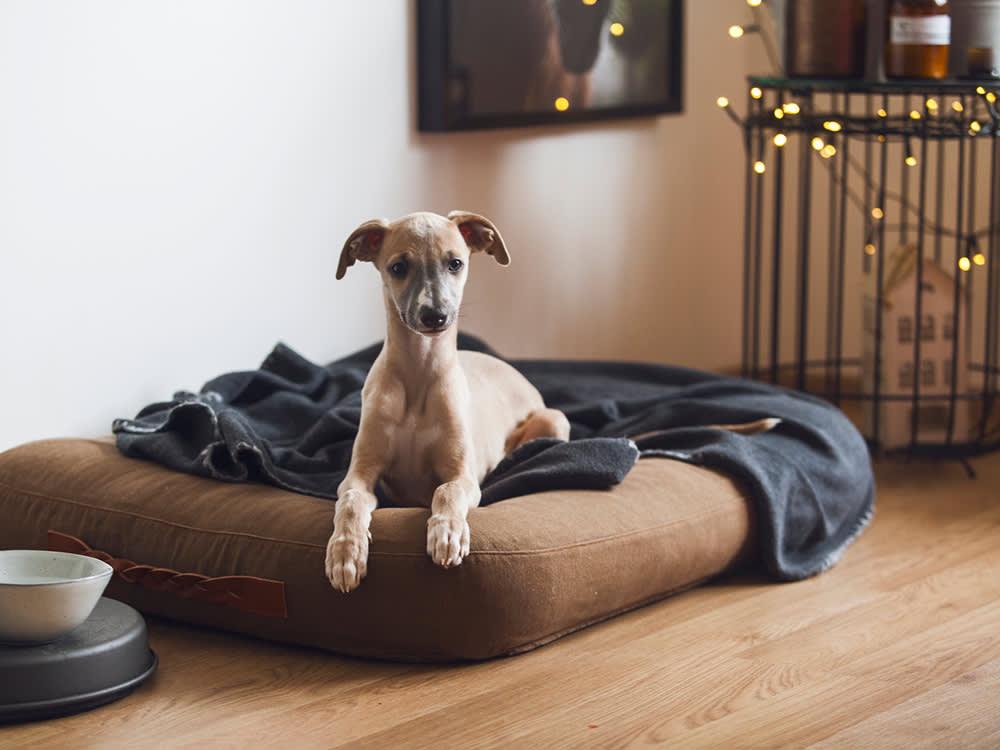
941	320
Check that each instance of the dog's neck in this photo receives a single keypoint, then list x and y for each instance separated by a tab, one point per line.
418	357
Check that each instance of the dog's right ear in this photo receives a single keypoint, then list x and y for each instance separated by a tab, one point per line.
363	244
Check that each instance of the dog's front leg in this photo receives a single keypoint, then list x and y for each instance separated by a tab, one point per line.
448	526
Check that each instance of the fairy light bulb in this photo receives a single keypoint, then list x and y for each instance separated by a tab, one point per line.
957	106
980	90
616	29
870	249
979	259
932	105
964	264
736	31
914	115
817	143
561	104
780	139
991	97
759	167
882	112
756	93
779	113
833	126
791	108
754	3
975	127
878	214
828	151
911	160
722	102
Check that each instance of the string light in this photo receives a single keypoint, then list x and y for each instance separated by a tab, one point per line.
964	264
975	127
882	113
979	259
759	167
957	106
736	31
833	126
932	105
870	249
791	108
817	143
878	214
980	90
754	3
779	113
914	115
616	29
828	151
756	93
561	103
991	97
590	2
881	139
723	102
780	139
911	160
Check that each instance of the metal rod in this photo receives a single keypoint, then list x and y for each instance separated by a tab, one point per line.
990	354
805	219
758	241
918	368
838	349
778	205
956	304
748	279
879	280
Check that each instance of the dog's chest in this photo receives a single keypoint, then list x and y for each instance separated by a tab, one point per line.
411	477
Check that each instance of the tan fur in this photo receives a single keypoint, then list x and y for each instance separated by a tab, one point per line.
434	421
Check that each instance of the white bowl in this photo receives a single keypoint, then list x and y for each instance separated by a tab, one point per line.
44	595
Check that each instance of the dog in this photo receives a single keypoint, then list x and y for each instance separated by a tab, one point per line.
434	420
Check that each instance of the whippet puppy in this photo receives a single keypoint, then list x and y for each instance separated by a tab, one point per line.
434	420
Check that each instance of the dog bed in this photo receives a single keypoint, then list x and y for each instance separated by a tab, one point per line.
249	558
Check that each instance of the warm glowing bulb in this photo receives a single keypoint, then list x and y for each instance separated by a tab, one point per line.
828	151
833	126
980	90
754	3
736	31
756	93
964	264
914	115
590	2
975	127
911	160
817	143
723	102
878	214
881	139
932	105
979	259
882	113
779	113
791	108
991	97
780	139
870	249
562	104
616	29
759	168
957	106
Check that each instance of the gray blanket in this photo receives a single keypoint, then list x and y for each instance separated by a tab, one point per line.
292	424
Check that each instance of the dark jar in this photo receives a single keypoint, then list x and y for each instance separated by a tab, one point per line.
825	38
918	36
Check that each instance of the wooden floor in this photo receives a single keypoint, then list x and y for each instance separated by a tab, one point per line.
896	647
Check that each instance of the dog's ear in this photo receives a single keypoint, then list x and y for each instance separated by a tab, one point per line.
480	234
363	244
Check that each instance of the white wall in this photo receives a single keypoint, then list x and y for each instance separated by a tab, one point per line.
176	180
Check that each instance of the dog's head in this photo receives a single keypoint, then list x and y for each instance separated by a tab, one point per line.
423	259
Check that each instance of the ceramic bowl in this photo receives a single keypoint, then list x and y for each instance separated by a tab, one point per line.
44	595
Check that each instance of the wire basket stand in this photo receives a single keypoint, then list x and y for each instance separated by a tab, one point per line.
871	276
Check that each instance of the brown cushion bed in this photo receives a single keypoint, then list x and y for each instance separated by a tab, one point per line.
249	558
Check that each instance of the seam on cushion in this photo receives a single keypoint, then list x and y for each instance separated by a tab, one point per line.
373	552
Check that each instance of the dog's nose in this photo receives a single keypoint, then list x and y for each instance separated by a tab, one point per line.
432	319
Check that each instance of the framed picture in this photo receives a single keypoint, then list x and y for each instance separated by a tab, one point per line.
503	63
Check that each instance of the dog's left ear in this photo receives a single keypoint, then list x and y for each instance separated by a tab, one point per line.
363	244
480	234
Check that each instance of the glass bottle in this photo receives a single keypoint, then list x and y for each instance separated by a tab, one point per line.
917	39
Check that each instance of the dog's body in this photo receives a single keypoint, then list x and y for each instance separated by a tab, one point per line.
434	421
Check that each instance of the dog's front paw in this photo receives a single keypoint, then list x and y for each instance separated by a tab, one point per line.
447	540
346	561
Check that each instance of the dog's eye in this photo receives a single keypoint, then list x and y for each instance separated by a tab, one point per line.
455	265
399	269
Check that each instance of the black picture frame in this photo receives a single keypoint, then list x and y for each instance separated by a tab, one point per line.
434	115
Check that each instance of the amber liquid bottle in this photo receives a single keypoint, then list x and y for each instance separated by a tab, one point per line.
917	39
